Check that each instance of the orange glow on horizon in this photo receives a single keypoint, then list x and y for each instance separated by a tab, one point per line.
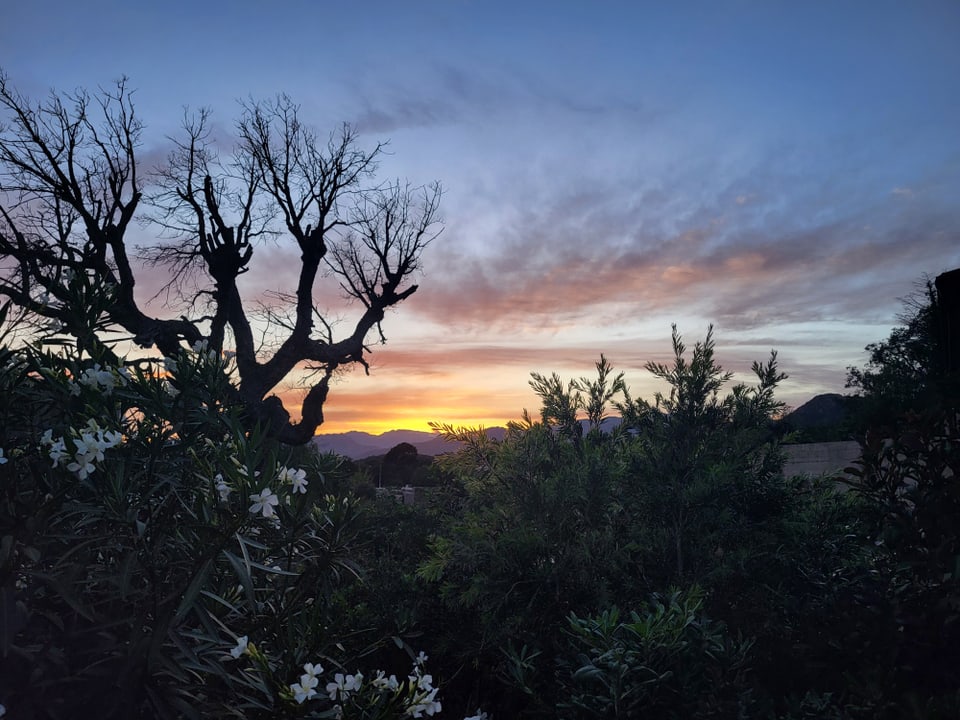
408	390
376	421
380	425
349	411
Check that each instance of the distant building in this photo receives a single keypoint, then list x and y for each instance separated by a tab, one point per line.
820	458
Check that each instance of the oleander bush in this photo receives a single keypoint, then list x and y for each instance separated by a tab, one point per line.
159	558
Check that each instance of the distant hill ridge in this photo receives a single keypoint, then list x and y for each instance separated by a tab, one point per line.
358	445
826	409
823	410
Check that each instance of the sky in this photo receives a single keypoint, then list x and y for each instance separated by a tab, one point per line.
785	171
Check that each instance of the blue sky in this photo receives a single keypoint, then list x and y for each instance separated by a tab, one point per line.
785	171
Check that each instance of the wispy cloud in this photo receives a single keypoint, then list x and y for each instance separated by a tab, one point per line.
742	263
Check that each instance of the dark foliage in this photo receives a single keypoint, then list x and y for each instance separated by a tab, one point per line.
907	370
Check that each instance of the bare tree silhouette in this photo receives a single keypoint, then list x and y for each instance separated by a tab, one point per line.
71	185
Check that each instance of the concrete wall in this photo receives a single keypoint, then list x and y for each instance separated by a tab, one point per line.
819	458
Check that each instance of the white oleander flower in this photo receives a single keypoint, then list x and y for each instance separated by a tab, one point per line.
353	682
58	451
97	377
342	686
381	682
304	690
90	446
240	648
295	477
264	502
82	467
223	489
426	704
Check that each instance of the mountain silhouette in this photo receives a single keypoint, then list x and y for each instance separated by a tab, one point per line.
358	445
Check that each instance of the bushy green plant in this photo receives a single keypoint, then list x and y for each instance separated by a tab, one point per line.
705	465
555	520
535	535
666	661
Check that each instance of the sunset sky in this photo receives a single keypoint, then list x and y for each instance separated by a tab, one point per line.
784	170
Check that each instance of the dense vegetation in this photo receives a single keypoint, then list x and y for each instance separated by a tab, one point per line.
158	558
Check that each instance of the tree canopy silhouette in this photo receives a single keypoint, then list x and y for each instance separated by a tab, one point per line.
905	371
74	181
